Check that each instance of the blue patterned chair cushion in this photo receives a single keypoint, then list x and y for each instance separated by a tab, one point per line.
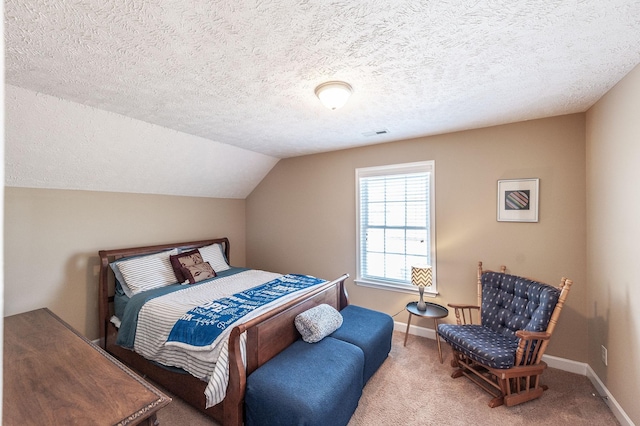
509	303
481	344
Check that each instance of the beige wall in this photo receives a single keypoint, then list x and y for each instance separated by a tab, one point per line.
613	211
52	238
301	218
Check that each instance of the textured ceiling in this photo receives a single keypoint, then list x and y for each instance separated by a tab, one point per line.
243	72
56	144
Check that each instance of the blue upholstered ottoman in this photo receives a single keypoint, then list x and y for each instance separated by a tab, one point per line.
369	330
306	384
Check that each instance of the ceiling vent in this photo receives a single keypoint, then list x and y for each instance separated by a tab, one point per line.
376	132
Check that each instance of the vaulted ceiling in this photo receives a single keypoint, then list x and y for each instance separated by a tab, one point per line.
243	73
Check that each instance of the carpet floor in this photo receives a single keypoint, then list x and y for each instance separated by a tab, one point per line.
413	388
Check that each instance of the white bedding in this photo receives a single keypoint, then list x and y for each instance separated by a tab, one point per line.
157	317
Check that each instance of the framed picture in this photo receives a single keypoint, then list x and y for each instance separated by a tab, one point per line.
518	200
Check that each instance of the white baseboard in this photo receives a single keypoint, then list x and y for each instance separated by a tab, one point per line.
415	330
564	364
616	409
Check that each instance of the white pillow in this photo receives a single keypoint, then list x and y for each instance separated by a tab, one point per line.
215	256
120	278
148	272
118	274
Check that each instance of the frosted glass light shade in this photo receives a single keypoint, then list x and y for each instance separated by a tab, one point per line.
334	94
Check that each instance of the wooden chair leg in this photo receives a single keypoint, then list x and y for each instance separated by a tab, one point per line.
496	402
506	389
455	359
519	398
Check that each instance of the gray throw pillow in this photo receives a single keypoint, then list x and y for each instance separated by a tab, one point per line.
318	322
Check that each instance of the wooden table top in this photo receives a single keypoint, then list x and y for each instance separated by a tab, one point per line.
55	376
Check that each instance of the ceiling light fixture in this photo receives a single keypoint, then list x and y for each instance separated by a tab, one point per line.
334	94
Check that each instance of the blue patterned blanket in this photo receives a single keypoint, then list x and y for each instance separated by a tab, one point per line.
202	325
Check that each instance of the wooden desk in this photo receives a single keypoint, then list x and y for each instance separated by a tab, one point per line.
55	376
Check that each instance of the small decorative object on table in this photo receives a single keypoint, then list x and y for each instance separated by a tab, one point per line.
421	276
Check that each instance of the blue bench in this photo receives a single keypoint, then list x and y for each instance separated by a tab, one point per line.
320	383
369	330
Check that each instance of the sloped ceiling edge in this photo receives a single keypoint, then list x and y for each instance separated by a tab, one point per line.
57	144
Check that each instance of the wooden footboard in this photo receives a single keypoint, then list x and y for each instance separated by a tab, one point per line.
267	335
184	386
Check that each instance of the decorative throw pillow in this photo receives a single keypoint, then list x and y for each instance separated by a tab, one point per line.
317	323
198	272
183	260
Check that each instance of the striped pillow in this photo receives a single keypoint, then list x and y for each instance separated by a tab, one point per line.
148	272
215	256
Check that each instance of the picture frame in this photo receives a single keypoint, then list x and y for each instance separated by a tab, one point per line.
518	200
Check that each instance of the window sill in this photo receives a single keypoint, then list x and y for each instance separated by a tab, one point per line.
400	288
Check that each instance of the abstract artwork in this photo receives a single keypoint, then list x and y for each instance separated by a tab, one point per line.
518	200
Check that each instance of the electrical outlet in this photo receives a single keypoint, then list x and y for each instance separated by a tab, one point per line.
604	354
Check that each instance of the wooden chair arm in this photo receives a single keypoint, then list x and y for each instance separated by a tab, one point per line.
458	306
462	311
533	335
531	347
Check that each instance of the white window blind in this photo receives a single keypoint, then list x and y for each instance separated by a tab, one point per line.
395	223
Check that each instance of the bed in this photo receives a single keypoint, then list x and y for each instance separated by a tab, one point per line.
257	337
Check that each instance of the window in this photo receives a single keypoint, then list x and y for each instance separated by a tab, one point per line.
395	224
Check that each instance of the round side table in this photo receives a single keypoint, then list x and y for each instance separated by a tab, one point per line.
434	311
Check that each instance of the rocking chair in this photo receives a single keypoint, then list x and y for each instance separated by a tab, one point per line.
503	353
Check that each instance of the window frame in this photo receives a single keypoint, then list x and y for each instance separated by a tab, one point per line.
389	170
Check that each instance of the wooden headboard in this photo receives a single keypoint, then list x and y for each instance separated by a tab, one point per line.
105	294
